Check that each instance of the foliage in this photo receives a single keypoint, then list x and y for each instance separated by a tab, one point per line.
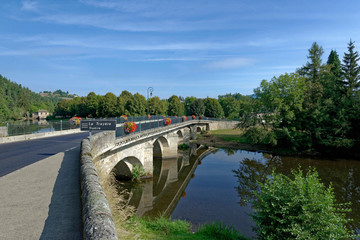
183	146
298	208
220	231
175	108
260	135
187	105
137	172
213	108
17	101
107	105
351	69
156	106
163	228
230	106
130	127
167	121
197	107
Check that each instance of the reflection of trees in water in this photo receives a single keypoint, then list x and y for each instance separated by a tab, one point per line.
249	173
344	175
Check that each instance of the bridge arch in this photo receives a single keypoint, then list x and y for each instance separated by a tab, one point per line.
123	169
160	146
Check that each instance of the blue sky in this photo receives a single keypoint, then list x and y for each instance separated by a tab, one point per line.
189	48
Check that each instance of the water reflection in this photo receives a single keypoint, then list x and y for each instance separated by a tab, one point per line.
161	194
340	173
222	186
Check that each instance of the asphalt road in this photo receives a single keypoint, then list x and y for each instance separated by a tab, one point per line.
14	156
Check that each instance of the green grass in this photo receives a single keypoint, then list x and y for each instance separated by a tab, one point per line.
230	135
162	228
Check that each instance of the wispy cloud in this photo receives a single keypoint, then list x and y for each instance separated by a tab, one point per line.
230	63
28	5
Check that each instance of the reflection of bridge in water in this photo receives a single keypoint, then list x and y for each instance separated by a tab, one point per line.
161	194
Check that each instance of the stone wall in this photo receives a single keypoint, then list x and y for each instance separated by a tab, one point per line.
222	125
36	135
97	219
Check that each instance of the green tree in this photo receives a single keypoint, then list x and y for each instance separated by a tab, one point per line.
312	68
197	107
108	105
140	104
299	208
213	108
92	105
230	106
335	64
187	105
351	69
156	106
175	107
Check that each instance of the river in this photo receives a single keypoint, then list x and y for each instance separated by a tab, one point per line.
205	185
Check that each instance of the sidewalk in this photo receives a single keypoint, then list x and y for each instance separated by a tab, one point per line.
42	200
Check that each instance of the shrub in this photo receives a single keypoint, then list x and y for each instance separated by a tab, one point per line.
299	208
260	135
137	172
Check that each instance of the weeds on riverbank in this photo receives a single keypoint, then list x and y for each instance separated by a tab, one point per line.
164	229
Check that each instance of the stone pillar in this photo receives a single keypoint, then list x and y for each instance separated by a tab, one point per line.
148	157
146	202
172	150
193	133
186	135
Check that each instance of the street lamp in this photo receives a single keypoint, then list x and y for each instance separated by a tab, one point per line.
149	90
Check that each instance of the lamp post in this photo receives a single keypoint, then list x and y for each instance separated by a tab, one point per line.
149	90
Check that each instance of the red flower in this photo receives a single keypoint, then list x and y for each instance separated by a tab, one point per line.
130	127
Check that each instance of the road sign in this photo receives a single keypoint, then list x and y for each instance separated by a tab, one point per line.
98	125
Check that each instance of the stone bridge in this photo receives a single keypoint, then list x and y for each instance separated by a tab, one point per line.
120	155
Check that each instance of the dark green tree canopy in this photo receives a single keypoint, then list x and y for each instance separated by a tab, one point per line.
351	69
175	107
213	108
197	107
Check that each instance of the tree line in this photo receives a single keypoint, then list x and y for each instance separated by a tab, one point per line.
17	102
110	105
315	108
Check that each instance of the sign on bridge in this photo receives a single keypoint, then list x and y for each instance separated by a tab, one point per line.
98	125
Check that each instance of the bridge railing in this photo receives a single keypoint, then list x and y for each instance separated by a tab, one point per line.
145	123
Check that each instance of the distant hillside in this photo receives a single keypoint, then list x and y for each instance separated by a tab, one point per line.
17	102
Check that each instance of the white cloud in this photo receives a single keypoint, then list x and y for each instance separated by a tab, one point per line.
230	63
28	5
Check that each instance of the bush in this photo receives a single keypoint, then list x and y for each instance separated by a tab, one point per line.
299	208
260	135
137	172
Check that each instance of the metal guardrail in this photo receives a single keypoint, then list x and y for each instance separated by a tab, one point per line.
143	123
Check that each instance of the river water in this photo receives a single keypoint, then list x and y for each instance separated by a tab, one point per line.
207	185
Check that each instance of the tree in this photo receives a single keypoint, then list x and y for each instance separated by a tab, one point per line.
298	208
156	106
230	106
187	105
92	105
351	69
213	108
108	105
312	69
334	63
140	104
197	107
175	107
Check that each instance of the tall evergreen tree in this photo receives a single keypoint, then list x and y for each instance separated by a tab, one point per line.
334	63
351	69
312	68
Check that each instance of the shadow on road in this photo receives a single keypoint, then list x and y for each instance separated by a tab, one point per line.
64	217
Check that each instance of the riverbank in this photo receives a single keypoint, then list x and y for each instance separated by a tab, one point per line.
130	227
233	138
